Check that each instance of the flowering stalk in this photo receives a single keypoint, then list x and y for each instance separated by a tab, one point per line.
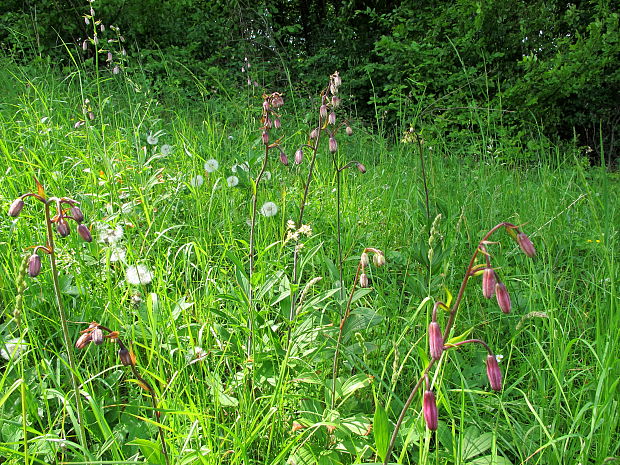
492	369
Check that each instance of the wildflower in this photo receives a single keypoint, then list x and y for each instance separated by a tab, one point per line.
97	336
503	298
283	159
277	123
232	181
349	131
16	208
361	167
323	111
364	260
77	214
265	137
435	340
526	245
314	133
197	181
378	259
63	228
306	230
364	280
166	149
499	358
152	139
211	165
109	235
332	118
12	348
488	283
127	358
269	209
290	224
299	156
429	409
138	275
116	69
196	354
34	265
84	233
493	373
117	254
333	145
84	339
335	101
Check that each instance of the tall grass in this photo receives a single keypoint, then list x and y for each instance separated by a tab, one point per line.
189	325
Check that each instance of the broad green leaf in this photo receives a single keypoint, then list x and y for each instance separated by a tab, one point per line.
381	430
475	443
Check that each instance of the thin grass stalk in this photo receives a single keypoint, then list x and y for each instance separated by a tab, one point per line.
421	151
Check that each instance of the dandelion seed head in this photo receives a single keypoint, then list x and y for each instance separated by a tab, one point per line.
269	209
232	181
267	175
166	149
109	235
197	181
138	275
211	165
152	139
117	254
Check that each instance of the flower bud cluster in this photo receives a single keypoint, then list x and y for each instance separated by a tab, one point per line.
378	259
95	334
271	120
99	41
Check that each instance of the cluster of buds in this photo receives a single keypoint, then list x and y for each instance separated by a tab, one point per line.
271	120
98	37
66	209
378	259
95	334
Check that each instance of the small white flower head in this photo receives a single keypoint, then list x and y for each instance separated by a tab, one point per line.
152	139
240	166
232	181
138	275
197	181
166	149
117	254
306	230
12	348
109	235
269	209
211	165
230	137
290	224
499	358
267	175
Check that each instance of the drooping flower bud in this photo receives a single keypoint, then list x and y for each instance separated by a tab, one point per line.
364	260
429	409
314	133
335	101
77	214
332	118
364	280
97	336
361	167
333	145
34	265
299	156
283	158
435	340
378	259
493	373
16	207
349	131
323	111
265	137
277	123
84	233
127	357
526	245
83	340
63	228
266	105
503	298
488	283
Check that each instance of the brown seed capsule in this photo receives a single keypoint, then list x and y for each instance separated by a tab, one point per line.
429	408
83	340
526	245
503	298
84	233
435	340
493	373
364	280
34	265
63	228
97	336
488	283
77	214
127	357
16	208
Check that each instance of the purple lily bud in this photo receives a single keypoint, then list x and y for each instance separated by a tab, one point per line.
435	340
34	265
361	167
332	118
265	137
364	280
77	214
276	123
299	156
526	245
63	228
16	207
283	159
323	111
127	357
83	340
97	336
503	298
84	233
333	145
493	373
349	131
429	408
488	283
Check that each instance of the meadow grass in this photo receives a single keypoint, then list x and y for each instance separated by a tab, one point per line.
188	327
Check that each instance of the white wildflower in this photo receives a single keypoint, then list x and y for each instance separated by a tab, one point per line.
232	181
211	165
166	149
269	209
499	358
290	224
197	181
305	229
12	348
109	235
152	139
117	254
138	274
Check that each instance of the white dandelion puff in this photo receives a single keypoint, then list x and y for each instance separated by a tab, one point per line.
138	275
232	181
197	181
211	165
109	235
166	149
117	254
269	209
267	175
152	139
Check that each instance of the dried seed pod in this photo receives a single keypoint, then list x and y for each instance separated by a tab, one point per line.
429	408
34	265
435	340
526	245
63	228
97	336
364	280
488	283
84	233
503	298
127	357
77	214
16	207
493	373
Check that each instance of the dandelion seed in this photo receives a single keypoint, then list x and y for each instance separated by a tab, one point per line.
110	236
197	181
138	275
12	348
117	254
232	181
166	149
269	209
152	139
211	165
241	166
267	175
